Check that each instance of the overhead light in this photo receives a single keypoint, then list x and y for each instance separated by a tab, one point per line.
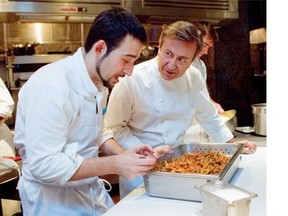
258	36
40	17
34	17
89	19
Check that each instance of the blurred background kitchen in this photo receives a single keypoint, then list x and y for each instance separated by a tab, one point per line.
34	33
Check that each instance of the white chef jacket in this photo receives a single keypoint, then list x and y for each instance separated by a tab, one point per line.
195	133
6	110
200	65
58	124
145	108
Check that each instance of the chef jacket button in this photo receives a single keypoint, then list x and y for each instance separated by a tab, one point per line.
161	100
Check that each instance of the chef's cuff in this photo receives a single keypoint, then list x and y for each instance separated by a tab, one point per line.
107	134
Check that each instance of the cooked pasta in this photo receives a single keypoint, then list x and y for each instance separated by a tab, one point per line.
195	163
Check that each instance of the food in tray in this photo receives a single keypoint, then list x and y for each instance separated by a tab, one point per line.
195	163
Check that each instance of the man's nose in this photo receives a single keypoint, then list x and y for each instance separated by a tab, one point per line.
172	64
128	70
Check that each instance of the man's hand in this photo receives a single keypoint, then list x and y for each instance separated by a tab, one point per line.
219	108
136	161
161	150
249	146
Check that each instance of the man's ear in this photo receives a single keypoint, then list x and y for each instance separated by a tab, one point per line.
100	48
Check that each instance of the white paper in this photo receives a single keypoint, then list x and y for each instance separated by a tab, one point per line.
231	195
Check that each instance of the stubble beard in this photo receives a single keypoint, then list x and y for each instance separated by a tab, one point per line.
98	71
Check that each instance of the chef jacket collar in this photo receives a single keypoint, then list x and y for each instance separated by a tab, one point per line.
86	81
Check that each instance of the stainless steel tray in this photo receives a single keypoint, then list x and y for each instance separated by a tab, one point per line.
182	186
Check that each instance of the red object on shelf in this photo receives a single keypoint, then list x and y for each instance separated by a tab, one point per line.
17	158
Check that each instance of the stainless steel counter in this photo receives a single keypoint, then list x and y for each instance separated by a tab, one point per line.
201	137
260	140
251	176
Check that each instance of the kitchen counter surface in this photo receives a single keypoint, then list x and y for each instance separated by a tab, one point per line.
251	175
260	140
190	137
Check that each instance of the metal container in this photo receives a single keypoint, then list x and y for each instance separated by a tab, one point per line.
182	186
222	199
230	119
259	114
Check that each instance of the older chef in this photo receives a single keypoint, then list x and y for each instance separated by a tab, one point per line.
59	130
158	102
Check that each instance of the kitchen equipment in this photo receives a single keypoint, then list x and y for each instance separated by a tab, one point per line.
148	11
230	119
27	49
245	129
222	199
181	185
66	51
20	68
148	51
259	114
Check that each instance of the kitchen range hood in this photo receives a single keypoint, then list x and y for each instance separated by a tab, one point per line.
147	11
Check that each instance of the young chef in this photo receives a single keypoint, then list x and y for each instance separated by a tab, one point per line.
59	130
158	102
